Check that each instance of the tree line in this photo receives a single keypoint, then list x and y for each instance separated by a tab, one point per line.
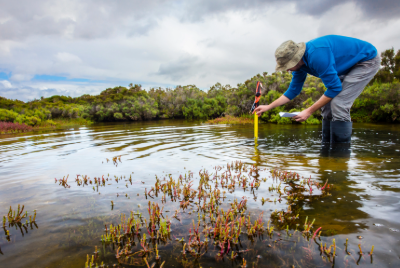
379	102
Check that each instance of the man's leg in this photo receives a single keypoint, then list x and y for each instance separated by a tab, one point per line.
352	86
326	112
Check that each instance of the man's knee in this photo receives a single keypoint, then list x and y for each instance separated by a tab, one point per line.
340	110
326	112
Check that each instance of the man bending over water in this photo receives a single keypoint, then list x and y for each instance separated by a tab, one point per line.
345	66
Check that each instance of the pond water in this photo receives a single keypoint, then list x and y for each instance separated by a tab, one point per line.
362	205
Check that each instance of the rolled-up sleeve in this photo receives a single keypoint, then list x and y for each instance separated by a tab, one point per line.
323	62
296	85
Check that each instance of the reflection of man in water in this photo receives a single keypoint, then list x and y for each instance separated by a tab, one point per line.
344	64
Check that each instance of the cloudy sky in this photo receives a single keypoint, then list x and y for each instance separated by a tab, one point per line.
75	47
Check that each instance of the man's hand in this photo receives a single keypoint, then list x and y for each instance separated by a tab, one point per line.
261	109
303	115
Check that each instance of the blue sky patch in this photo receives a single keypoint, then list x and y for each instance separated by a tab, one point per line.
4	75
55	78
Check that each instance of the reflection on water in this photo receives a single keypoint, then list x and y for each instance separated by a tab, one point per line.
70	221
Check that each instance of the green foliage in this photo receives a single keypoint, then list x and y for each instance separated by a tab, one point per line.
309	90
8	115
275	118
308	103
321	86
390	70
232	110
204	109
379	101
118	116
28	120
134	103
51	122
31	118
312	121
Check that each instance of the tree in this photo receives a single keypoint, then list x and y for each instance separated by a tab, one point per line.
390	67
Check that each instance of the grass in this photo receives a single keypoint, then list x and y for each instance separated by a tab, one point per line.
63	122
59	123
232	120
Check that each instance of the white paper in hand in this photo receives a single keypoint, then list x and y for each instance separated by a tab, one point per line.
285	114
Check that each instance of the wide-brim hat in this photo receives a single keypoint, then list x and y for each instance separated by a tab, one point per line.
288	55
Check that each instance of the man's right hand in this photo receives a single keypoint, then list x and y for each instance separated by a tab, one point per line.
261	109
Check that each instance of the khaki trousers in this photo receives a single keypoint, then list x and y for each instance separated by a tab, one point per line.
353	83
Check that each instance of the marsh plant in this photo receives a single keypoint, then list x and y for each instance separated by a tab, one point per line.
192	220
20	220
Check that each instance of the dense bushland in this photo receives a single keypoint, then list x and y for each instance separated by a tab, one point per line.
378	103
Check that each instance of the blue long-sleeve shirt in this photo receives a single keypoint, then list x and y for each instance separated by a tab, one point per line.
328	57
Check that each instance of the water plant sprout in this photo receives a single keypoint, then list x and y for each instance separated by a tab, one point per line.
213	226
14	218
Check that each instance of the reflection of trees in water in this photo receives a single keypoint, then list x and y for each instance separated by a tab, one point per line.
283	146
333	214
339	217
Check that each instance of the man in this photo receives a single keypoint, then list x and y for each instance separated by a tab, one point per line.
344	64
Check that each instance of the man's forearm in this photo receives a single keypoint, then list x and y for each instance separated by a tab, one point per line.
263	108
278	102
320	103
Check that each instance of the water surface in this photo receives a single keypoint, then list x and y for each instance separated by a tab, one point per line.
70	221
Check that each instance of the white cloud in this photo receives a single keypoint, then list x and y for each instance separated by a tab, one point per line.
21	77
67	57
168	42
6	84
34	90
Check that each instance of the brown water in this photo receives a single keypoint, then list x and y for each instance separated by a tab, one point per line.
70	221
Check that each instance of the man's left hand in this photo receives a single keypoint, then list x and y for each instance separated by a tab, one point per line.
302	116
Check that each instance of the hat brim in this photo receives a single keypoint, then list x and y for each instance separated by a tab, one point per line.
293	62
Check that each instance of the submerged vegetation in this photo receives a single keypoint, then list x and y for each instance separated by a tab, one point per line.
378	103
191	220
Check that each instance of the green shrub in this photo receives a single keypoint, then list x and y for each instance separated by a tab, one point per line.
308	103
280	120
7	115
309	90
378	102
118	116
51	122
28	120
232	110
312	121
